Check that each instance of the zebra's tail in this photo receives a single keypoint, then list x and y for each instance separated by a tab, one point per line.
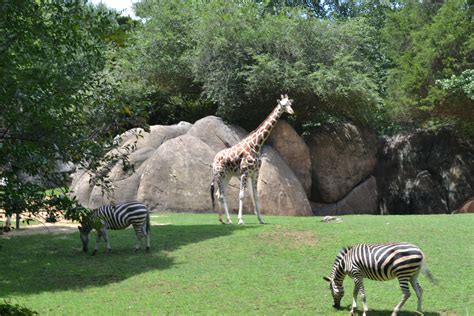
147	223
427	273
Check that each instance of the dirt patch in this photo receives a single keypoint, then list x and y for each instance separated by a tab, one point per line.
290	238
46	228
62	227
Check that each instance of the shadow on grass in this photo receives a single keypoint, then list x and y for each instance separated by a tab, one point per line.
37	263
375	312
402	313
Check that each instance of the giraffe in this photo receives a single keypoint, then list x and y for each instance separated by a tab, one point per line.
243	159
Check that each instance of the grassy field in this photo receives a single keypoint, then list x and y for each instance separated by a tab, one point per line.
198	266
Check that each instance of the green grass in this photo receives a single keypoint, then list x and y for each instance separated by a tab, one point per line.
198	266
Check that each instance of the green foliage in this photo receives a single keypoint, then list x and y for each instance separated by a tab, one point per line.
373	62
198	266
7	309
245	59
428	43
59	96
459	85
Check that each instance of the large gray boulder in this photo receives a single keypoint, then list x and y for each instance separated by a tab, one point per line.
178	176
81	187
216	133
294	152
342	156
361	200
158	135
279	190
425	172
124	183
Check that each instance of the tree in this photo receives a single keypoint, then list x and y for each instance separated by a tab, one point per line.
58	97
428	42
245	59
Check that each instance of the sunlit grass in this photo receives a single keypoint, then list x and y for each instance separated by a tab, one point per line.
198	266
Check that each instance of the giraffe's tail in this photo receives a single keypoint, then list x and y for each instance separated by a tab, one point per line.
211	189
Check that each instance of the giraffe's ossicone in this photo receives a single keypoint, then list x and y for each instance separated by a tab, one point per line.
243	160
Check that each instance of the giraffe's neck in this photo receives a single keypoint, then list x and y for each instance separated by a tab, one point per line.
261	134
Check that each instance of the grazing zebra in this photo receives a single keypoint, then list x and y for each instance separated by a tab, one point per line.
118	216
380	262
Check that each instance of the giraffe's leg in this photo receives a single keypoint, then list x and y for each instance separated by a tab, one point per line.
418	290
406	294
221	184
254	195
243	184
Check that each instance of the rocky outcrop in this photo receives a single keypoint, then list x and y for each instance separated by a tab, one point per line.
294	152
141	144
178	176
342	156
279	190
349	171
214	132
363	199
425	173
172	171
467	207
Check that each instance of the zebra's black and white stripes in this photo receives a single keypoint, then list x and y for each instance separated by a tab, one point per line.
380	262
117	216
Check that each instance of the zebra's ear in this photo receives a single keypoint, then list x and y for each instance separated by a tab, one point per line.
326	279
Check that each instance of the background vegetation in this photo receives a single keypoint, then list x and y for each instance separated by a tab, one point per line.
74	75
198	266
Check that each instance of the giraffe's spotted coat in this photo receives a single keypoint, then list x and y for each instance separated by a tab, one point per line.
243	159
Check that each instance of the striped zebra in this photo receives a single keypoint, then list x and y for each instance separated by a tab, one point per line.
380	262
118	216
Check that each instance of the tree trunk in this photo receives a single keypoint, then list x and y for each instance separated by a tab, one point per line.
17	221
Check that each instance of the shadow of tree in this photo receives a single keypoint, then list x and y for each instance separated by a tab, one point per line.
38	263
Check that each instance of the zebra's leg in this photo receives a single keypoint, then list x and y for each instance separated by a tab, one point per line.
354	299
359	285
105	235
139	236
406	294
419	292
254	195
243	185
97	240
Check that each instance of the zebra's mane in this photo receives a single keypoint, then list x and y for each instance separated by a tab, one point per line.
345	250
341	254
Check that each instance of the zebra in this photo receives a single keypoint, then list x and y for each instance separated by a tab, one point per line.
380	262
117	216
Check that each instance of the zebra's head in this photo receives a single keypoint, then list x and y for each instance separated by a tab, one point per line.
337	291
84	231
336	278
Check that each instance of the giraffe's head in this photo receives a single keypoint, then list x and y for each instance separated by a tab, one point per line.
286	103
